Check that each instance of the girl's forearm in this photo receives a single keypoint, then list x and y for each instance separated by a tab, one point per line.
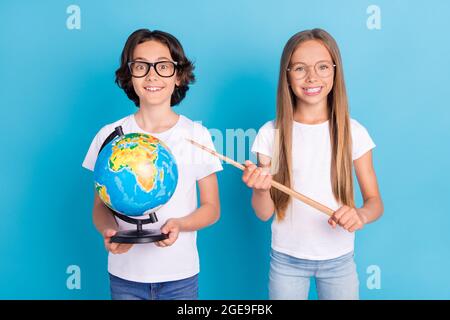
372	209
263	204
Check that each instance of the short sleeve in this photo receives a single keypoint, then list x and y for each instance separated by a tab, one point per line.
264	140
91	155
94	148
209	164
362	142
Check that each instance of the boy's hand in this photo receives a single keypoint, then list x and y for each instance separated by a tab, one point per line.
114	247
256	177
348	218
172	229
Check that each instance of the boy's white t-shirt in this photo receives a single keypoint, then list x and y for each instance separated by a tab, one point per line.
148	263
304	232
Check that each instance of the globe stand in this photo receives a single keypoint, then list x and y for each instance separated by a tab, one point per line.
139	235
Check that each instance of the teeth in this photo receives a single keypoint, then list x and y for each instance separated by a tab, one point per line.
152	89
313	90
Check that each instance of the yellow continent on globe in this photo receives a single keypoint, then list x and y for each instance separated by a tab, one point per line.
138	154
103	193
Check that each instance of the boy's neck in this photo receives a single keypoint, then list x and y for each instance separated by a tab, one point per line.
156	118
311	114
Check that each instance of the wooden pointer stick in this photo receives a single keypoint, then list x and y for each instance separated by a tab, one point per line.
275	184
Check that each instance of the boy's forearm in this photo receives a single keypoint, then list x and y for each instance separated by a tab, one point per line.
103	218
207	214
263	204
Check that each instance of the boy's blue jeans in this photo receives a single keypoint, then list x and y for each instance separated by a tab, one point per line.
184	289
289	277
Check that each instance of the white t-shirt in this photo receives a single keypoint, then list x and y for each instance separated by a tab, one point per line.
304	232
148	263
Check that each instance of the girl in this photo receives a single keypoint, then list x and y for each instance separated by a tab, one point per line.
155	74
311	147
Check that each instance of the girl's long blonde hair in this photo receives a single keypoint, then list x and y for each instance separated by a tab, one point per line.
339	125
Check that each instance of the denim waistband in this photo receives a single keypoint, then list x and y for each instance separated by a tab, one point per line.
281	255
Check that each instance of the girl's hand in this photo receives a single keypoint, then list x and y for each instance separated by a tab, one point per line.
172	228
256	177
348	218
114	247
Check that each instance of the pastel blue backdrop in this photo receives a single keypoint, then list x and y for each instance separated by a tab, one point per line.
57	90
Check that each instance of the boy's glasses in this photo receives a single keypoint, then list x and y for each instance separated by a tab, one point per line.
140	69
322	68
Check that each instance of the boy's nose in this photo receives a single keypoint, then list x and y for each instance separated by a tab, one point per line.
151	73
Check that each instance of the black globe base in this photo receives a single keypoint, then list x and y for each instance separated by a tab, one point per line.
136	236
139	235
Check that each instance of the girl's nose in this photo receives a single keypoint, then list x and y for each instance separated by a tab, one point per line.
311	76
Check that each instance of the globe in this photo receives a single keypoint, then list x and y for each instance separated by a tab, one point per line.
135	174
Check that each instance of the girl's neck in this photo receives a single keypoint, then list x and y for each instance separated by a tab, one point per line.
156	119
311	114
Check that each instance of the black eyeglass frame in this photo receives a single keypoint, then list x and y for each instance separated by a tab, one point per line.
154	65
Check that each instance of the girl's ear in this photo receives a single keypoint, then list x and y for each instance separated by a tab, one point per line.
288	81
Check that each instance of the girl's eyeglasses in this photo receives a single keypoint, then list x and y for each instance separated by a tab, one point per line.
165	69
322	68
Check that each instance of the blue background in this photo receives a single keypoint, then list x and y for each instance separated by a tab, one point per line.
57	90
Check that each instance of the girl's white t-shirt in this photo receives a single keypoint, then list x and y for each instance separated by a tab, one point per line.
304	232
148	263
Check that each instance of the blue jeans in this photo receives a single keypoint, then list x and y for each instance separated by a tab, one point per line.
184	289
289	277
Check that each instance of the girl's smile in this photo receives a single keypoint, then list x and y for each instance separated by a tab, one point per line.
312	91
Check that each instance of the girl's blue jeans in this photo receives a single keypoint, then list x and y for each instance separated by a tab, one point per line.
289	277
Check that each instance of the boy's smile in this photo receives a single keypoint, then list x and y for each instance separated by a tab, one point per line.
153	88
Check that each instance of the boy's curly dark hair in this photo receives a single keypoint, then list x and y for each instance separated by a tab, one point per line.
184	68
